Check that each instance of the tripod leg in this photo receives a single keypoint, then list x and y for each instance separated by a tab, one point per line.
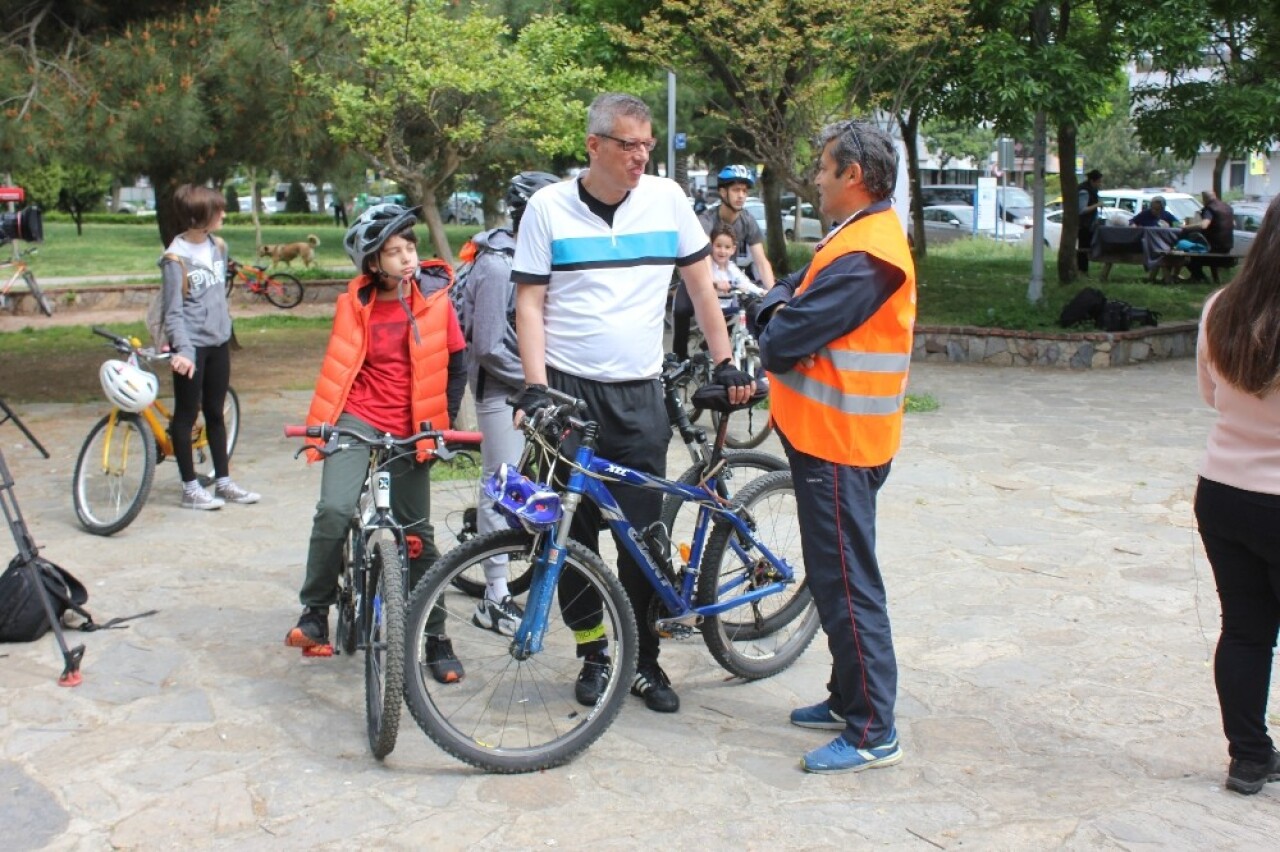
9	415
71	657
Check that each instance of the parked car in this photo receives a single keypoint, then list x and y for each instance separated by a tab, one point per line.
944	223
463	208
1128	203
755	207
1014	203
811	227
1248	215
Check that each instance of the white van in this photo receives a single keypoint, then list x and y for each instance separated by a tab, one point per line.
1124	204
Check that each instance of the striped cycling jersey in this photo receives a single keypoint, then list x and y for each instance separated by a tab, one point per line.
607	284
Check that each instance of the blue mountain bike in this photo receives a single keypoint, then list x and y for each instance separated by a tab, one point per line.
739	583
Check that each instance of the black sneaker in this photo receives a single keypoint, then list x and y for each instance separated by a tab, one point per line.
593	679
445	667
653	685
312	629
1247	777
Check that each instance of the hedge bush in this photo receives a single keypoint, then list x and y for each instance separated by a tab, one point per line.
232	219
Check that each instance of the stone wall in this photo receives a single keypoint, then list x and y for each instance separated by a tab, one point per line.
1074	350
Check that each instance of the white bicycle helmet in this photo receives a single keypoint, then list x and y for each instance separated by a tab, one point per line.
374	227
127	387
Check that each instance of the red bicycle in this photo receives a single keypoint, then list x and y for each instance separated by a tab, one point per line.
280	288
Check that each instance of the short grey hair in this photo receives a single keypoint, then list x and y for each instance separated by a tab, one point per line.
606	109
1159	199
861	142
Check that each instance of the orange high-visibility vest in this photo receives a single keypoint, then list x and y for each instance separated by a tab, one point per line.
847	407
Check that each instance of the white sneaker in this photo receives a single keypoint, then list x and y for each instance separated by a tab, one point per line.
233	493
201	499
500	617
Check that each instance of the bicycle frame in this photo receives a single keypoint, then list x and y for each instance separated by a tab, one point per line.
587	480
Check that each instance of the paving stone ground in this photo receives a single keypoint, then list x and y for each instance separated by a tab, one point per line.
1054	617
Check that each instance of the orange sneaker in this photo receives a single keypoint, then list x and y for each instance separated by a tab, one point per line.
312	629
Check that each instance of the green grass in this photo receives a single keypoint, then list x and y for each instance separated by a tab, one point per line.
981	283
921	403
135	249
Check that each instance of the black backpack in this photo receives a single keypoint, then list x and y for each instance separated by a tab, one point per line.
1085	307
22	615
1116	316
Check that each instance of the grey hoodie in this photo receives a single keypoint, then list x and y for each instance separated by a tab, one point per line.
489	300
199	316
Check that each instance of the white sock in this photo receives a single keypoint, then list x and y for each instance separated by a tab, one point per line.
222	482
496	589
192	487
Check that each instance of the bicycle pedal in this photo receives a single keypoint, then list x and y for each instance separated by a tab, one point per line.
319	651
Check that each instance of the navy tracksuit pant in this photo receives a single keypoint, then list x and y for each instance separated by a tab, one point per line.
837	508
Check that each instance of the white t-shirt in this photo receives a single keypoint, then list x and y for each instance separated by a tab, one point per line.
607	286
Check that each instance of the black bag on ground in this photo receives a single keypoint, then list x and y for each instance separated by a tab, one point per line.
22	615
1115	316
1085	307
1143	316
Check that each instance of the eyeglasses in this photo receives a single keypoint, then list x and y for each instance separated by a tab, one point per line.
851	127
630	146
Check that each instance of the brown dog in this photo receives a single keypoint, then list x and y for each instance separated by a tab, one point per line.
286	253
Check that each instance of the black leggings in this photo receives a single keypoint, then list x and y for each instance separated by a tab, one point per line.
1241	534
205	391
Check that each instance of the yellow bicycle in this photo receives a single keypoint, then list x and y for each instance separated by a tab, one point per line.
117	463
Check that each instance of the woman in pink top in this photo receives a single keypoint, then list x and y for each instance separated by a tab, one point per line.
1238	497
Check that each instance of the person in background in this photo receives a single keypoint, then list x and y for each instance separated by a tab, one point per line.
1088	205
1154	216
1237	502
494	374
837	347
194	301
396	358
1217	223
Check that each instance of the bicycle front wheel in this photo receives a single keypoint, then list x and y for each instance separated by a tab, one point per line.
513	712
43	302
763	637
384	646
113	473
283	290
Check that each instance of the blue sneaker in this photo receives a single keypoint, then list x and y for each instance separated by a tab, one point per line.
819	716
840	756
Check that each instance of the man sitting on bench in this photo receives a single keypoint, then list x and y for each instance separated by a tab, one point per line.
1217	223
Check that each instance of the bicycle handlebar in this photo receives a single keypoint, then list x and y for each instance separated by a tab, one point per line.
449	440
125	346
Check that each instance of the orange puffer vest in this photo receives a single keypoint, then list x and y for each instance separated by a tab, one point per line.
348	346
847	407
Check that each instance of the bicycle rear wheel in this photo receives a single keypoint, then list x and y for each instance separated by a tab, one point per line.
345	634
761	638
384	646
113	473
231	417
750	426
283	290
43	302
511	714
740	467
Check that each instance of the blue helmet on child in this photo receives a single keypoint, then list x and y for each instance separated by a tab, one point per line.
736	174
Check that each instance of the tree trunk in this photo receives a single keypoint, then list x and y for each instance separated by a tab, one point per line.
1219	166
425	195
165	184
1067	271
910	138
771	192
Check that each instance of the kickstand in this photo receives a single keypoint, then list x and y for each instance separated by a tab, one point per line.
27	549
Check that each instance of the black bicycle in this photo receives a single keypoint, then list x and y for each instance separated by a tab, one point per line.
373	585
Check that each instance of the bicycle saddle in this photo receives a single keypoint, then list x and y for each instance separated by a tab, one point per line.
713	397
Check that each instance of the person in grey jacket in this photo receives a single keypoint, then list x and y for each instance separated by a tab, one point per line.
198	325
494	373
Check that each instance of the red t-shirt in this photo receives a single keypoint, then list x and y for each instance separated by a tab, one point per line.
381	393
